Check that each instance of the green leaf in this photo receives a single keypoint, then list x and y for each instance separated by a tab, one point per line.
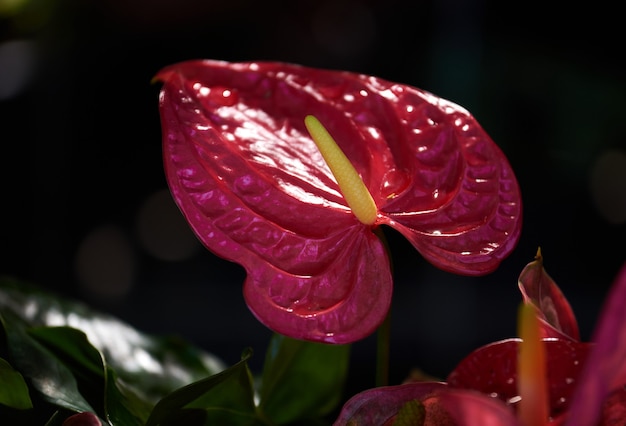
412	413
123	406
72	346
152	366
302	380
13	388
49	376
224	398
119	403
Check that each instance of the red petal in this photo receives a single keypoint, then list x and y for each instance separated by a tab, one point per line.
342	304
556	314
605	370
256	191
492	370
444	406
460	206
378	405
82	419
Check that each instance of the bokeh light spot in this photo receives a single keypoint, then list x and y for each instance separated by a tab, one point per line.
607	181
105	263
17	65
162	229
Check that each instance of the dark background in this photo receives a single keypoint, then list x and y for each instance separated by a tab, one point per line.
84	208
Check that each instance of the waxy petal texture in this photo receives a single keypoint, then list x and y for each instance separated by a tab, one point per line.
255	189
492	370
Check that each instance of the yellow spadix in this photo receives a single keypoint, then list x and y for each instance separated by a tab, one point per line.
350	183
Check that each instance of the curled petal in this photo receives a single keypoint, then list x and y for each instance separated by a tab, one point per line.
555	312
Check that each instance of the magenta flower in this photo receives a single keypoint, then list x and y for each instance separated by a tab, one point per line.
254	187
585	381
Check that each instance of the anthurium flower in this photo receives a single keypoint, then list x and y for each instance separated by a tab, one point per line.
586	382
247	174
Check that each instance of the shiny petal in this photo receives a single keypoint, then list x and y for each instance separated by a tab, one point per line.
256	191
555	312
492	370
342	304
605	369
460	204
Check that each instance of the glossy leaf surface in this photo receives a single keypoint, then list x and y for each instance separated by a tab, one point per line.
224	398
49	376
256	191
94	377
302	380
50	341
166	363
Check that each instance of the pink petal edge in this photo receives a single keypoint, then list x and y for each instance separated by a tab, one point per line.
605	369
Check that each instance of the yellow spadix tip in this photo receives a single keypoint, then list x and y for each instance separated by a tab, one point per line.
350	183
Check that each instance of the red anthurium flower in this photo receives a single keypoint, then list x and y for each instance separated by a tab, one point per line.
586	382
252	183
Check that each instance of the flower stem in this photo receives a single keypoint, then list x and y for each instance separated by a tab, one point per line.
383	334
382	351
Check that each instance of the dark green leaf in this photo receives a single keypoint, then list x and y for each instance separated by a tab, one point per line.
123	406
108	394
13	388
156	365
225	398
302	380
48	375
72	346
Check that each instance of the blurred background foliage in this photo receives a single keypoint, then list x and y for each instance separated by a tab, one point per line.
85	207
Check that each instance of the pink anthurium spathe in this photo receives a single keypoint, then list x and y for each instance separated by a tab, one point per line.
254	187
586	381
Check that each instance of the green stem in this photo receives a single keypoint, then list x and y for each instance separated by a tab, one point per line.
382	351
383	334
